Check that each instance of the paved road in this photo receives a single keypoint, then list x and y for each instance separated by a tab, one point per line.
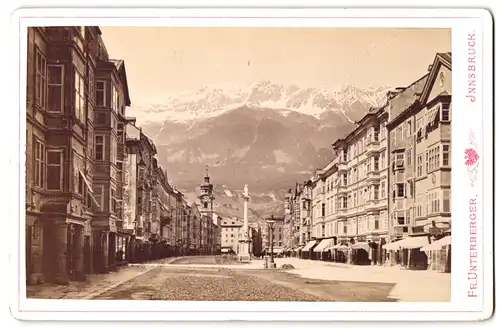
206	259
239	284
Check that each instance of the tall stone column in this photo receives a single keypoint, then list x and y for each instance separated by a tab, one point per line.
105	252
112	250
244	243
79	271
60	253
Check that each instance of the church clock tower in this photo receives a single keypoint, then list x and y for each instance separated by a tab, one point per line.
206	196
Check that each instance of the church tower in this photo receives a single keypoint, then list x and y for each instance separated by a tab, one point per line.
206	196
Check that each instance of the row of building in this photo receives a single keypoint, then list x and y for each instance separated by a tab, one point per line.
387	191
95	196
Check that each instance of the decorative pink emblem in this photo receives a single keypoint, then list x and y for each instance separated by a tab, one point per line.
472	158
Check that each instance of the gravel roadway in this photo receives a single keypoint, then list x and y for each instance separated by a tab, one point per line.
202	284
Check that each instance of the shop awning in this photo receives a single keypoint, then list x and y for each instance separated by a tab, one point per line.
414	242
361	245
324	245
308	246
277	250
87	183
437	245
340	247
394	246
89	187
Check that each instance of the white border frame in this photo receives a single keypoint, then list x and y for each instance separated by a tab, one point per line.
461	307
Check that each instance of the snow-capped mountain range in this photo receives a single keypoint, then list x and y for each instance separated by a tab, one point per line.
211	101
266	135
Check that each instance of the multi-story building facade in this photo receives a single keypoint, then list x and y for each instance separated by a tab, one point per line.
361	186
140	158
111	100
420	175
230	231
62	163
278	236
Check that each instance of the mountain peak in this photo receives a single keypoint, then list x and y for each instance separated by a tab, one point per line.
213	100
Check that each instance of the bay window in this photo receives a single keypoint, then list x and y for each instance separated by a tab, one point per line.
100	94
447	200
39	165
40	80
99	147
114	98
55	169
56	88
79	96
446	155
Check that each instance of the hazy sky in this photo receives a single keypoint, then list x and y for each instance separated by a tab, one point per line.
161	60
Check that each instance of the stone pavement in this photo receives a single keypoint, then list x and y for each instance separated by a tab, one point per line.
410	285
94	285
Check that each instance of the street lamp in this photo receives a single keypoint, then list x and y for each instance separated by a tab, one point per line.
272	224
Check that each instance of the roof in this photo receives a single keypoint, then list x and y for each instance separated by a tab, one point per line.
120	67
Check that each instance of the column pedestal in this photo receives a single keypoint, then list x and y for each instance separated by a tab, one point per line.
243	251
244	243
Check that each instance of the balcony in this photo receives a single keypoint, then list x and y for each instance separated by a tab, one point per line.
342	167
372	148
373	175
400	230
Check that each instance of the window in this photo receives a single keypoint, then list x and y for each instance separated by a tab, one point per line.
434	162
114	99
344	179
79	96
399	218
409	129
408	157
41	80
39	167
375	192
410	189
433	203
79	183
376	222
376	132
100	94
420	167
400	190
446	155
446	200
90	143
112	201
445	114
55	88
99	148
113	150
376	163
382	190
426	162
120	132
55	169
323	209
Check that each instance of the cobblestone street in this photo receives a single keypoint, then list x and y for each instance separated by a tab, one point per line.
205	278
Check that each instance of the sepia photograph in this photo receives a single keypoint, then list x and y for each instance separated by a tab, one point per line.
238	163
